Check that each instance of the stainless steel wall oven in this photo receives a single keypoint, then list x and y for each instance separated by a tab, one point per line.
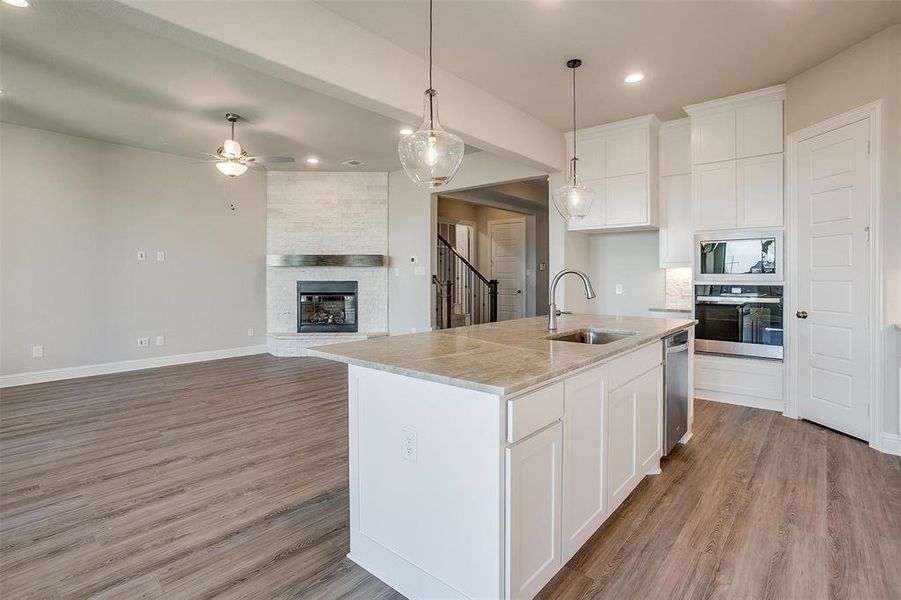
741	320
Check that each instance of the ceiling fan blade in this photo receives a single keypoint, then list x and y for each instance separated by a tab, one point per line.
255	166
271	159
207	155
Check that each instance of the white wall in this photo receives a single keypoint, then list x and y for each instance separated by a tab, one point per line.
412	214
73	214
327	213
632	260
868	71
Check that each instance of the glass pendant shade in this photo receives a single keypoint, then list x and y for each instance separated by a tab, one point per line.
430	155
231	168
573	200
231	149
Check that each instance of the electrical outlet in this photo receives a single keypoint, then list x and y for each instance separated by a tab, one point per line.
619	288
417	270
141	255
160	340
160	256
250	332
409	445
143	342
37	352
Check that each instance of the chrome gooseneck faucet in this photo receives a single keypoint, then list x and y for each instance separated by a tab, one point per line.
552	312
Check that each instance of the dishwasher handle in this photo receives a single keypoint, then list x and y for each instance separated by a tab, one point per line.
675	349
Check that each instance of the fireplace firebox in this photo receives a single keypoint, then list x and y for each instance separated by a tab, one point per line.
326	306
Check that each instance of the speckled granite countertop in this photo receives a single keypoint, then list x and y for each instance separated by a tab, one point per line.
499	358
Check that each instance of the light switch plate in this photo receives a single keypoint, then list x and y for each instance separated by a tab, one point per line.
619	288
141	255
160	340
160	256
37	352
143	342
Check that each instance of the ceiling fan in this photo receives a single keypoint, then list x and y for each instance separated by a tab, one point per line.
232	160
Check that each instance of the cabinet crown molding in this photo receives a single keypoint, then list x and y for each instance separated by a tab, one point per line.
597	130
776	92
676	123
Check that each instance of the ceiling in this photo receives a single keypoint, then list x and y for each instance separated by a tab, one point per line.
690	51
66	68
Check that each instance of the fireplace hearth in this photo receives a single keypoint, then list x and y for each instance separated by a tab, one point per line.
326	306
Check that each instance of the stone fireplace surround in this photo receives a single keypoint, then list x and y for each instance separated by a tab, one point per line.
325	213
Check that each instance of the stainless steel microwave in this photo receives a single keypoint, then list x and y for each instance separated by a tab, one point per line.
751	256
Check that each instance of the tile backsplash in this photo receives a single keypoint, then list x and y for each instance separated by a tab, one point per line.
678	288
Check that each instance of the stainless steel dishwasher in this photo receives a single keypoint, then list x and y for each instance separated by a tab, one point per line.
675	387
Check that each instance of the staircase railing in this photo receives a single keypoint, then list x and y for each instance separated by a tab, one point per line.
464	295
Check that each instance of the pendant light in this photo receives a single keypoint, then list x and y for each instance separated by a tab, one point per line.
430	155
573	200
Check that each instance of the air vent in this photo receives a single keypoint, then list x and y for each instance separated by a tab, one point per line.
353	163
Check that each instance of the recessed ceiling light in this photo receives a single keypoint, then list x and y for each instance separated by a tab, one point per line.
18	3
313	161
406	131
634	77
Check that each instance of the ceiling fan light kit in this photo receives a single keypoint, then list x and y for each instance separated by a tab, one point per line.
573	200
430	155
231	158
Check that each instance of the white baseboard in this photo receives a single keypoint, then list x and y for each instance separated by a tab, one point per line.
125	365
889	443
740	400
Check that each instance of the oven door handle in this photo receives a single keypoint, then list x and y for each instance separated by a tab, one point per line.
727	300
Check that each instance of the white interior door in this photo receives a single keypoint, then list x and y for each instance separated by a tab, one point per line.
508	266
833	182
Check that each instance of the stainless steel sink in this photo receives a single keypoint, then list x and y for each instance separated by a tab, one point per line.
592	336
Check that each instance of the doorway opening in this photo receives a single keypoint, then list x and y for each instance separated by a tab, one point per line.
491	253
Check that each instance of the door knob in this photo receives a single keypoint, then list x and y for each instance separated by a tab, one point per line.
801	314
518	291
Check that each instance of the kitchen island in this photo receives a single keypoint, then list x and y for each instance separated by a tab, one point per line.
482	458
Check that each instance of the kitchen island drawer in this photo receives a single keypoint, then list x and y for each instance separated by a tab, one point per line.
531	412
629	366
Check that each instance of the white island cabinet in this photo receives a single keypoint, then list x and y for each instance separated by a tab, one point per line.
460	489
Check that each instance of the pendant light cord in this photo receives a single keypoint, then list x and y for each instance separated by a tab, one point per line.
574	126
431	91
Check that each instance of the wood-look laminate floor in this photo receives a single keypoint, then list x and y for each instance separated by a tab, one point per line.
229	479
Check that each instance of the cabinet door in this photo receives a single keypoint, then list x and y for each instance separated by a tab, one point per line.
627	200
759	191
649	420
626	152
596	217
675	238
675	149
584	495
713	137
533	480
758	129
622	470
713	196
591	157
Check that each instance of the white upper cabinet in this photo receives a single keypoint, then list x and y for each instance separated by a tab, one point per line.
675	148
713	137
675	235
619	161
675	238
627	152
758	129
591	158
627	200
738	139
714	204
759	191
